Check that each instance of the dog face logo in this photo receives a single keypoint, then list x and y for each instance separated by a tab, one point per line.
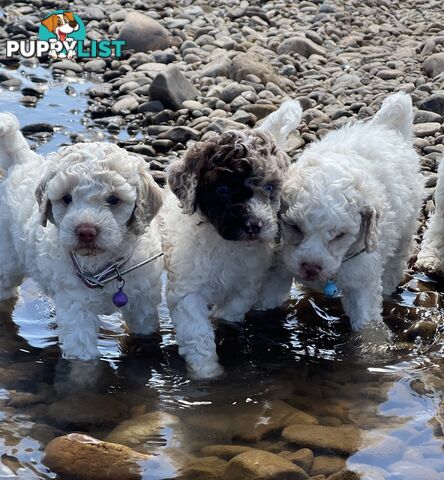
62	29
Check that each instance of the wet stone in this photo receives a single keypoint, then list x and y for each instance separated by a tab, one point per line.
85	458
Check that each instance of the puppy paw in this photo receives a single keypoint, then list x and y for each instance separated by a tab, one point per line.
207	370
9	124
430	265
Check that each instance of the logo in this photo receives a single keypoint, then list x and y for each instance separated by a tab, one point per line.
62	35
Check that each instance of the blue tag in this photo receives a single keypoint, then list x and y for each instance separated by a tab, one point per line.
330	289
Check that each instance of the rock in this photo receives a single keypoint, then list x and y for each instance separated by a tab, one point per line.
206	468
220	67
326	465
95	65
260	465
344	440
125	104
227	452
87	409
180	134
302	46
303	458
37	127
137	430
434	64
428	300
152	106
100	91
389	74
423	329
172	88
346	475
142	33
426	129
192	105
82	457
244	65
383	450
68	65
435	104
260	110
423	116
231	91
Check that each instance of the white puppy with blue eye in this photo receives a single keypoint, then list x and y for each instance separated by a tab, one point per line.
78	222
350	207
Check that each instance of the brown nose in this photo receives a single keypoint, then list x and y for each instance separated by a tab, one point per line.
311	270
86	233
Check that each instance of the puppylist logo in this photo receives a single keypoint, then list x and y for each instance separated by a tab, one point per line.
62	35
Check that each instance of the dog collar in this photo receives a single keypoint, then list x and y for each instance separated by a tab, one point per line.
330	288
109	273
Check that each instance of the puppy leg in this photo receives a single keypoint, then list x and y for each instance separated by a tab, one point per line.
237	304
10	272
141	316
13	146
363	304
195	335
78	328
431	256
275	288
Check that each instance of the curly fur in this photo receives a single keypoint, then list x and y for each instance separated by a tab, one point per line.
37	232
431	256
211	258
359	187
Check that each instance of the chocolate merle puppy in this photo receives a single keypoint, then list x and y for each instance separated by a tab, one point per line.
219	225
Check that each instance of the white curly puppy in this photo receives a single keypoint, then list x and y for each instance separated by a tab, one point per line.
72	217
431	256
350	209
219	225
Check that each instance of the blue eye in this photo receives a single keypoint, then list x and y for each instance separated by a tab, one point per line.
112	200
223	190
268	187
67	199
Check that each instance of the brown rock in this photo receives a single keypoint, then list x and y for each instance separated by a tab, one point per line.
327	465
227	452
81	457
303	458
87	409
260	110
344	440
259	465
301	45
428	300
205	468
136	430
344	475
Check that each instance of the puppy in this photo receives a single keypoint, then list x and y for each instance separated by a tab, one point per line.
431	256
219	226
89	217
61	25
350	209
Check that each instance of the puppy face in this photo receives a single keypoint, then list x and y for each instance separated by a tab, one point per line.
62	23
234	181
325	219
99	195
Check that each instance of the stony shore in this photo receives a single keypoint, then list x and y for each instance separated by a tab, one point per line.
199	67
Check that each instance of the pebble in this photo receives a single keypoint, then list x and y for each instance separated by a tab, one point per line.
426	129
302	46
142	33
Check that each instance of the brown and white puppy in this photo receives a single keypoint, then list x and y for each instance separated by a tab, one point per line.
218	227
61	25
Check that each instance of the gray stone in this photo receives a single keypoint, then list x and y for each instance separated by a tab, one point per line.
142	33
426	129
180	134
231	91
301	45
434	64
423	116
68	65
125	104
435	104
172	88
95	65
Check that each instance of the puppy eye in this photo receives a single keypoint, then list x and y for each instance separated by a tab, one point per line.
112	200
223	189
268	187
67	199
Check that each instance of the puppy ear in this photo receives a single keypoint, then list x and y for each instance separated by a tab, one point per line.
69	16
148	202
45	206
183	182
50	22
370	228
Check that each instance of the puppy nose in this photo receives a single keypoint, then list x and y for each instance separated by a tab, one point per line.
253	226
86	233
312	270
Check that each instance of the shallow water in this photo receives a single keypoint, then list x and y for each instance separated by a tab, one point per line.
303	355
